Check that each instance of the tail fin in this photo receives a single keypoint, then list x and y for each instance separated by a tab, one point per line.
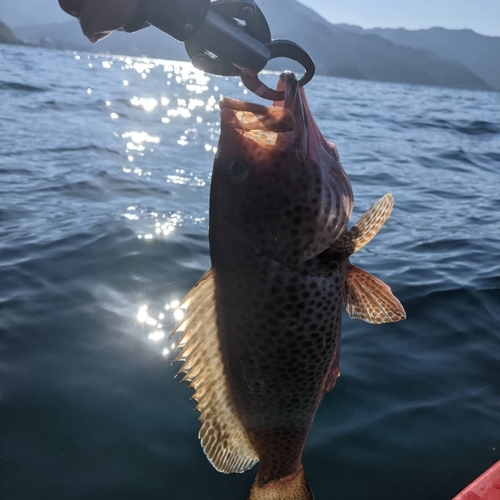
294	487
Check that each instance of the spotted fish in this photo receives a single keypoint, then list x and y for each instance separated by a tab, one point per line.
260	339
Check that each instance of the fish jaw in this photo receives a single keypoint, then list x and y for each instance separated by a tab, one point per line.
306	132
294	198
287	123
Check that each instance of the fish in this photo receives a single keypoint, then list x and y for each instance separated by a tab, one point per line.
260	338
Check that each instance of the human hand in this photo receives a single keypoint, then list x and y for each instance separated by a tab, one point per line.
98	18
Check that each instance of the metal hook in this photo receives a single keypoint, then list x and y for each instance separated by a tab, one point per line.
224	37
281	48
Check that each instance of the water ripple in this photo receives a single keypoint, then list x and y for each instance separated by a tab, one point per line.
105	170
21	87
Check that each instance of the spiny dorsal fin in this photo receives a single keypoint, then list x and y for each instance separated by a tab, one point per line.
222	436
370	299
367	227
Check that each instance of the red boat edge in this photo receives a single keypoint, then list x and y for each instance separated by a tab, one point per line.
485	487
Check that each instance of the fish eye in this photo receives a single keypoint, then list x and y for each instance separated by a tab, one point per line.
238	169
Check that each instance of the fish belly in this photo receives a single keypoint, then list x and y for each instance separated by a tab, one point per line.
279	332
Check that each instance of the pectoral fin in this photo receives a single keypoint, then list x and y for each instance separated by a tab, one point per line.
222	435
367	227
369	299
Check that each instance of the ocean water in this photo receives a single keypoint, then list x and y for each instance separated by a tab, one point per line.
104	179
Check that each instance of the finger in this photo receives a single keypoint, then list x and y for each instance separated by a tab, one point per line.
98	18
72	7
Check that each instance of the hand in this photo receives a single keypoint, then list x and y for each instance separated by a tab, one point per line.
98	18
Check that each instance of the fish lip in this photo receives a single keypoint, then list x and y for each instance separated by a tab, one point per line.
237	105
244	116
295	102
289	84
286	116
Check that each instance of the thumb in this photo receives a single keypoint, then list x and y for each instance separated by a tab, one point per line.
98	18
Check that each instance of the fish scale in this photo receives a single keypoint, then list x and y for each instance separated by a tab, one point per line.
279	362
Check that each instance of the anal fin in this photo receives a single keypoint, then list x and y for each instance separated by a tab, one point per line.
370	299
222	435
333	375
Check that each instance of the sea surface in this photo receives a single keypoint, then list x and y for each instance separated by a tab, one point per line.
105	166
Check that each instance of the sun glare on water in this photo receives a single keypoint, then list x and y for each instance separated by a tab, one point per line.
165	121
152	324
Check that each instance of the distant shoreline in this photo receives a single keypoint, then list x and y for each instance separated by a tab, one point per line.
8	37
277	71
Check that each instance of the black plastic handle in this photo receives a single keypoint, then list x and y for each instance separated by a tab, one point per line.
178	18
224	37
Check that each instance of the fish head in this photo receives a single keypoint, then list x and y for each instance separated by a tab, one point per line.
278	187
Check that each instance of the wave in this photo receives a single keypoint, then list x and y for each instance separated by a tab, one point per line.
59	150
475	127
21	87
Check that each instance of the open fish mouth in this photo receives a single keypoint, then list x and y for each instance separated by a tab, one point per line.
265	125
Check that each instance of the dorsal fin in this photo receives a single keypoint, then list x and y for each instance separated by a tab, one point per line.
367	227
369	299
222	436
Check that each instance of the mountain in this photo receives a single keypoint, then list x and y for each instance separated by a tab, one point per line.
18	13
345	53
339	50
479	53
7	36
149	42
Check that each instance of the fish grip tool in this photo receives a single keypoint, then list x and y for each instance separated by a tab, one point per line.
225	38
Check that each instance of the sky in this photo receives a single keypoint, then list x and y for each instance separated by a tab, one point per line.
482	16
